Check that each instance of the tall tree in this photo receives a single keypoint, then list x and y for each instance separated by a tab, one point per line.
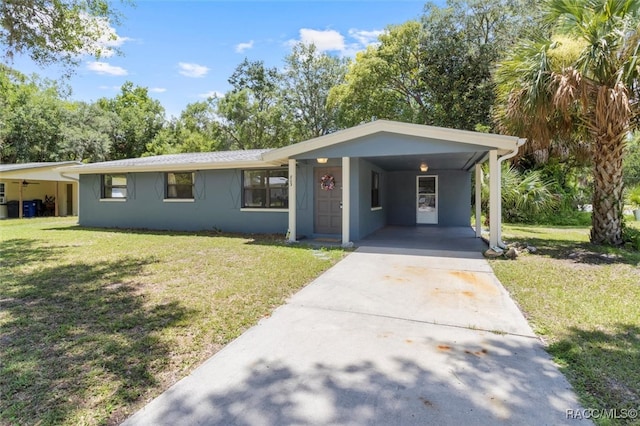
461	44
141	118
591	94
196	130
85	132
384	81
437	71
308	77
252	114
55	31
30	118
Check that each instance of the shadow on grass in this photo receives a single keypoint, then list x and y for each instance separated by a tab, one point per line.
577	251
22	251
251	239
275	239
77	337
603	366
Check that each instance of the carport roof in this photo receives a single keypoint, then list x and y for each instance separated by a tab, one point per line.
29	166
50	171
502	143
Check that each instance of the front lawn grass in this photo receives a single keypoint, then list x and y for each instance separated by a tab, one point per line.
94	323
584	301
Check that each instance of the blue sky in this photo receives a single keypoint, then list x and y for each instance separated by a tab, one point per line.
184	51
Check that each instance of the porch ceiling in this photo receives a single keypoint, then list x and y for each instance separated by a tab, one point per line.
452	161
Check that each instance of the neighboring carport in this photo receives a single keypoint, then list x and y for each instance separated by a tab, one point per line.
41	181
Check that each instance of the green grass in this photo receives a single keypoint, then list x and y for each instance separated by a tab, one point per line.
584	301
94	323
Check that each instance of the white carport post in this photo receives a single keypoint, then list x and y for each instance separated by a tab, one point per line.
494	198
292	200
478	200
346	199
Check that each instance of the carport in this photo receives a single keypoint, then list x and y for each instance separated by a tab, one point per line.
387	173
24	182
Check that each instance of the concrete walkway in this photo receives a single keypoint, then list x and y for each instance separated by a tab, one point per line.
400	332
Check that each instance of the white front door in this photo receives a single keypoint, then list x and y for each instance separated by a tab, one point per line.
427	199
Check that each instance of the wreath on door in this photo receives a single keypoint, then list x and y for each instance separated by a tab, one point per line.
327	182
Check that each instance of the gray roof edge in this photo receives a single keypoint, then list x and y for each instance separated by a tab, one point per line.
178	162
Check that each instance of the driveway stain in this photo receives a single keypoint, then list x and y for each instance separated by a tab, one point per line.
479	281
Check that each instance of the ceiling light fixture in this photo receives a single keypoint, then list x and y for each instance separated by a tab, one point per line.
424	167
322	160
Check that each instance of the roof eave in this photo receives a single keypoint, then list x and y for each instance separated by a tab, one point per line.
90	169
491	141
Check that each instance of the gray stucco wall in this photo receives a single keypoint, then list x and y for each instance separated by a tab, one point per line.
364	219
218	198
216	205
304	195
454	197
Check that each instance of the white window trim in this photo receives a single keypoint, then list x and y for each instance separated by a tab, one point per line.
375	209
263	209
179	200
114	200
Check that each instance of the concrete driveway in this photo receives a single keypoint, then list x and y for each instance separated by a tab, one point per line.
400	332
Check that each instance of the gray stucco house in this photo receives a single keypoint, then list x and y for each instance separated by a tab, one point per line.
346	184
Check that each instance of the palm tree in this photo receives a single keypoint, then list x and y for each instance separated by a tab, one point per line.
585	93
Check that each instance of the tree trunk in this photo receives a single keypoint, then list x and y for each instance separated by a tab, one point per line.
606	219
609	126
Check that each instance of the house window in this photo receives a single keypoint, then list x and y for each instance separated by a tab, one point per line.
267	189
375	190
180	185
2	193
114	186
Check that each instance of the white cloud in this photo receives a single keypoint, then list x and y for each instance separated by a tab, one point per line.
158	90
192	70
105	68
103	87
241	47
364	37
327	40
332	40
211	94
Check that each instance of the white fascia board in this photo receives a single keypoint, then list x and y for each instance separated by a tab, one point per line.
89	169
490	140
50	174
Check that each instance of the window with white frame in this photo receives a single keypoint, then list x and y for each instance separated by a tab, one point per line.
114	186
375	190
180	185
266	189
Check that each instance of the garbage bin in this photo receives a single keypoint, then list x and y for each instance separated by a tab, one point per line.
29	208
13	209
